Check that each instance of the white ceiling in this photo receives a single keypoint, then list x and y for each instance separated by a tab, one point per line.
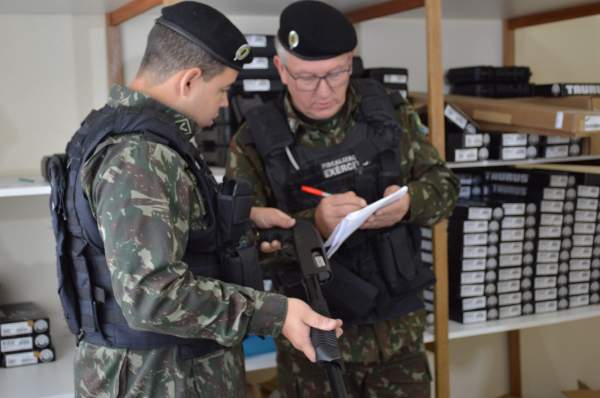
451	9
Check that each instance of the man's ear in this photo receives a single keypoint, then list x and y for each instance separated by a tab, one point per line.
279	65
189	81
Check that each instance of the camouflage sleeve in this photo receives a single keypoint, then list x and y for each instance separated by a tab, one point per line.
144	200
432	186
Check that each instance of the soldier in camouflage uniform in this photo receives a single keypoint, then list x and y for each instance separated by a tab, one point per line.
147	202
385	358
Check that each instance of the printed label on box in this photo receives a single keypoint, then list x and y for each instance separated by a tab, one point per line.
583	240
509	286
256	40
15	329
555	140
468	278
579	301
474	303
547	257
559	181
580	265
585	216
514	139
509	299
579	288
474	251
579	276
592	123
514	209
426	245
18	344
513	222
588	191
514	153
474	239
426	233
548	245
587	204
551	206
584	228
546	294
475	226
581	252
548	306
547	269
473	140
25	358
466	155
480	213
551	219
558	122
554	193
544	282
455	116
258	63
427	257
509	273
557	151
549	232
511	260
473	265
251	85
474	317
428	295
395	79
511	248
508	235
471	290
510	311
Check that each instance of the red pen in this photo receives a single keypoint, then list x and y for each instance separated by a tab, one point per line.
315	191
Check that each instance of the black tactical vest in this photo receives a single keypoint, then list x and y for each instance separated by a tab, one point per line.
377	272
90	308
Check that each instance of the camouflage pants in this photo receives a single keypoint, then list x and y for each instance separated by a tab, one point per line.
127	373
405	374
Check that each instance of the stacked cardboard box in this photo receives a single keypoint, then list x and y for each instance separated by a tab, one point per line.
24	335
427	258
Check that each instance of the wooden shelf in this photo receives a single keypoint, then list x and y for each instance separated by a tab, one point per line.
458	330
496	163
14	187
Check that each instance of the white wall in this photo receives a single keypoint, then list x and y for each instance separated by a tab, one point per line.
53	72
561	52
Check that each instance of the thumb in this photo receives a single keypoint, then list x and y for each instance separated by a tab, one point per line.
318	321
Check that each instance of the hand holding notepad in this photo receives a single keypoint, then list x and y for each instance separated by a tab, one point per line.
354	220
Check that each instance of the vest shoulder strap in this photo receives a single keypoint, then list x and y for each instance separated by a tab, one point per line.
375	104
268	129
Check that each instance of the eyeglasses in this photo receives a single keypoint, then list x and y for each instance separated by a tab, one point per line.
311	83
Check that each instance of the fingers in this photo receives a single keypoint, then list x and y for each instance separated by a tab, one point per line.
270	247
269	217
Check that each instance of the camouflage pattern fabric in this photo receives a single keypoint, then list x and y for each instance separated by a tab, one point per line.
404	374
433	189
146	202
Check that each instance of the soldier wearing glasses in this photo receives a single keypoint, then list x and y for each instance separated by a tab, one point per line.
360	142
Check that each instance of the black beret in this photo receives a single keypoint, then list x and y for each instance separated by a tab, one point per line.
313	30
210	30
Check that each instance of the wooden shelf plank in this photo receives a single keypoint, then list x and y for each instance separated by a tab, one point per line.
130	10
496	163
383	9
554	16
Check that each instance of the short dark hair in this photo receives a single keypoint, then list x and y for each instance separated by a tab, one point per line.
168	52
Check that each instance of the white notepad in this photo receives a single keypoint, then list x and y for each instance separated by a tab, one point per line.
355	219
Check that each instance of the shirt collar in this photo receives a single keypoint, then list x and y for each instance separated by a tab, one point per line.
124	96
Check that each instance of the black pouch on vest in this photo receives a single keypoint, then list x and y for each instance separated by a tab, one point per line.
57	174
242	267
408	260
233	210
350	291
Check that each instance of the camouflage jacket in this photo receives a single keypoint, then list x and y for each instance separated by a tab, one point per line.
433	190
128	176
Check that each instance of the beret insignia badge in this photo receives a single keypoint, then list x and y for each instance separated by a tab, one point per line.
242	52
293	39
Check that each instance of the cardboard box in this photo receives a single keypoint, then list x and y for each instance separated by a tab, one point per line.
506	115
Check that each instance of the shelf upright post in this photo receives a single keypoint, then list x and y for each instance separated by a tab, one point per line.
435	90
